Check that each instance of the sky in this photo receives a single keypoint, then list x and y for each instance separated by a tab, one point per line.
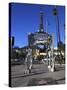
25	18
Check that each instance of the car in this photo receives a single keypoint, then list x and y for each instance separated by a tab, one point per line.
17	61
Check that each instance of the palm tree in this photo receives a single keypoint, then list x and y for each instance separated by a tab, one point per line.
59	43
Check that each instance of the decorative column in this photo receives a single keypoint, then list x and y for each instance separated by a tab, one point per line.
49	61
52	54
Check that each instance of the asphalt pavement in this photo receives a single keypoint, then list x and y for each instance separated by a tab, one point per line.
40	75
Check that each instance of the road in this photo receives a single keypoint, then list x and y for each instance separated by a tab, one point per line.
39	76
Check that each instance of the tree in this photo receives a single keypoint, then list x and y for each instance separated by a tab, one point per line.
60	45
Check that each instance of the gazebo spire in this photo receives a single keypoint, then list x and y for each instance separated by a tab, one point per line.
41	27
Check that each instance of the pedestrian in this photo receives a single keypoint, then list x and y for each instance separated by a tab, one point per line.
28	60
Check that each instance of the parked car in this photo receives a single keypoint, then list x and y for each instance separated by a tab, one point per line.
17	61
